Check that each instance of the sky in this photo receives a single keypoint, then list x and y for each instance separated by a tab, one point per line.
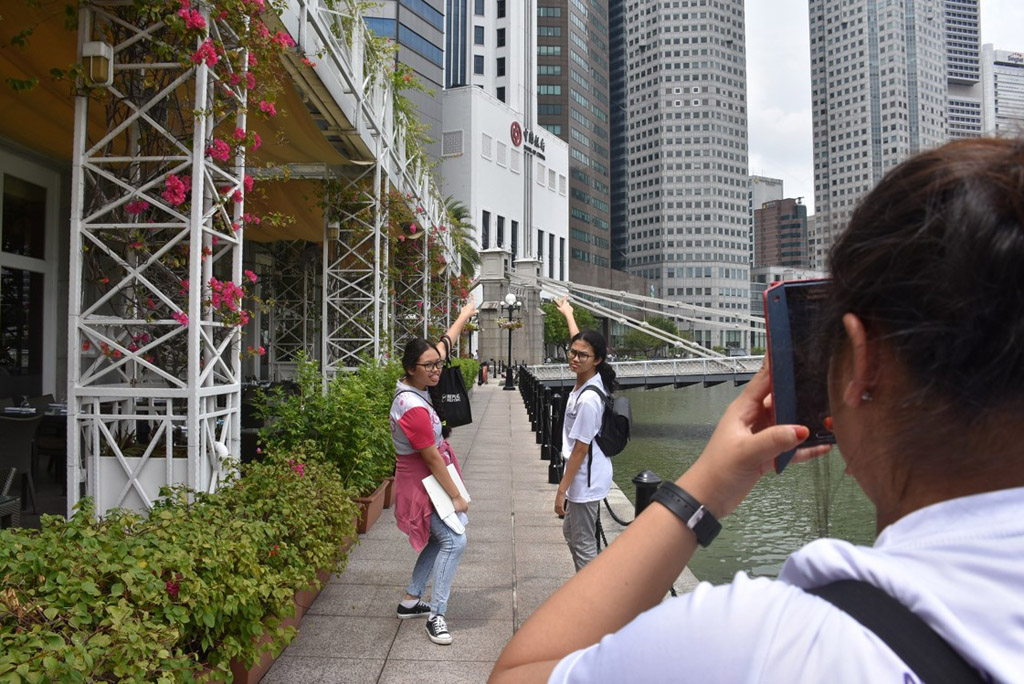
779	84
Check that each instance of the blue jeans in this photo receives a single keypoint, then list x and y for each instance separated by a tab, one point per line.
440	559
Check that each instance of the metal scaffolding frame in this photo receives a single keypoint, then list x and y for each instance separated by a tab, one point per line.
153	365
295	288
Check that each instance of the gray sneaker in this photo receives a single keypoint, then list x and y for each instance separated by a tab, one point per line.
437	630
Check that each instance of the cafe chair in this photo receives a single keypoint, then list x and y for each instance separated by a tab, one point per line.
16	435
9	509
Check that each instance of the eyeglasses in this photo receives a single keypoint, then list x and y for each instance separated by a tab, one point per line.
581	355
433	366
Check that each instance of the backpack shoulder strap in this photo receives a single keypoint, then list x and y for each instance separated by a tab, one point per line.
930	656
604	397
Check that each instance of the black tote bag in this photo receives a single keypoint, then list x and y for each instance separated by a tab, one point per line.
454	396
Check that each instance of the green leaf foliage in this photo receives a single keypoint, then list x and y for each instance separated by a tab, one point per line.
156	599
556	330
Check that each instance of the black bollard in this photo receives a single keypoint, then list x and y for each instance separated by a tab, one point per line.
646	484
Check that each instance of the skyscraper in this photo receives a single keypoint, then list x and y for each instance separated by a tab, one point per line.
417	26
963	68
880	92
573	103
687	151
1003	85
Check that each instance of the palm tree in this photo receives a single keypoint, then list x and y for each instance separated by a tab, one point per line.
462	236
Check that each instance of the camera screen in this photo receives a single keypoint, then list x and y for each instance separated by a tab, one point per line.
810	365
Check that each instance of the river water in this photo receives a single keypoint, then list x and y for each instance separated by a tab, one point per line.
784	512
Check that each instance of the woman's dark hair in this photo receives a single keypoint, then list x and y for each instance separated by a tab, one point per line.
414	349
933	263
596	341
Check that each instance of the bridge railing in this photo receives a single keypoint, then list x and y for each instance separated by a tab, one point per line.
737	365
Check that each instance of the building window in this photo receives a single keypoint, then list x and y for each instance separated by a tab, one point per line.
421	8
549	90
549	50
485	230
501	70
501	9
553	128
561	258
549	30
551	256
515	239
501	232
478	35
478	64
479	8
501	38
540	244
549	11
417	43
382	27
549	70
501	93
549	110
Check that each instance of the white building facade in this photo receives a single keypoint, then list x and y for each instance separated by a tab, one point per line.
1003	87
513	179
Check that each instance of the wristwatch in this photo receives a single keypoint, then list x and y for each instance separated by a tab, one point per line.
692	512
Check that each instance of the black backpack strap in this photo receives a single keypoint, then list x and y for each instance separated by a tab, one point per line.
926	653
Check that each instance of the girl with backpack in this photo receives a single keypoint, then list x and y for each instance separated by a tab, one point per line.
587	475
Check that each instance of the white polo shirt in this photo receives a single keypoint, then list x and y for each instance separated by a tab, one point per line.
583	414
957	564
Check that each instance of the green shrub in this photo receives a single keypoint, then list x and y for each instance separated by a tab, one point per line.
136	599
347	423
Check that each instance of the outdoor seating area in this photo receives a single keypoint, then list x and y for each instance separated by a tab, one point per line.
33	431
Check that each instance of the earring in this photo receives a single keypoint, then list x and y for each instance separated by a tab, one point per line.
866	396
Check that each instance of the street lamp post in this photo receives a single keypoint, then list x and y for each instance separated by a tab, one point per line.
513	305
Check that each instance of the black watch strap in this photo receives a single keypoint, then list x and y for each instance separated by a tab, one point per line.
693	514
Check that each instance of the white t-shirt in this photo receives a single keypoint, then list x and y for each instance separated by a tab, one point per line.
583	414
957	564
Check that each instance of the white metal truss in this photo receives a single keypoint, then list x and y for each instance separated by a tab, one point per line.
296	289
590	297
153	396
355	302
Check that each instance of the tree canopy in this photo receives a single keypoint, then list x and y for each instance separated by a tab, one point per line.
637	340
556	330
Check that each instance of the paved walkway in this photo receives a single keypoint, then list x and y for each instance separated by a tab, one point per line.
516	557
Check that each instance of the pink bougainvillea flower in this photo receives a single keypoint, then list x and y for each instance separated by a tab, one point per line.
234	79
268	108
401	238
308	62
262	350
136	245
181	317
105	280
250	80
137	207
248	183
219	150
412	228
214	240
239	134
257	141
235	227
251	218
283	39
253	60
86	345
206	53
174	190
172	588
193	19
237	196
251	276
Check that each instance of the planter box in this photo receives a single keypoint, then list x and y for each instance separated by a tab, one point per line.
370	508
389	492
304	598
112	479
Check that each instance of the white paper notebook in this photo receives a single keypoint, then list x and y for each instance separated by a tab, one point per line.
443	503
